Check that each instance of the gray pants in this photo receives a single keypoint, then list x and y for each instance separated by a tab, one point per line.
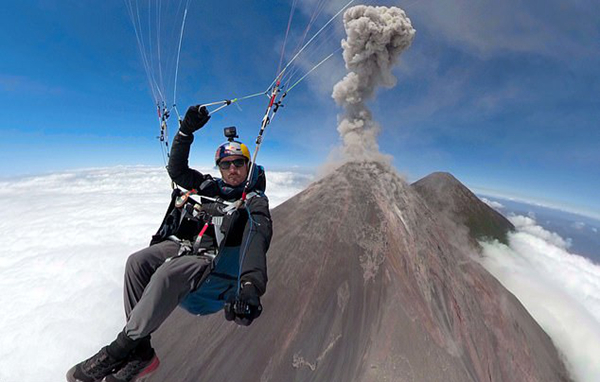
154	287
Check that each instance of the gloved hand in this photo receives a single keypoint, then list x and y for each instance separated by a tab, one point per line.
195	118
245	308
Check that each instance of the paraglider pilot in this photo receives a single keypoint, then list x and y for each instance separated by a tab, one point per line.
216	240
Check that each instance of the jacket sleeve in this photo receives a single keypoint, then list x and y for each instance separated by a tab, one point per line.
255	243
178	168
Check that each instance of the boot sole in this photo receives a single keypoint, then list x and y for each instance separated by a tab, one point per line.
149	370
71	376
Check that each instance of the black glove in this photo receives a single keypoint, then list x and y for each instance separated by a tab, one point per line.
195	118
245	308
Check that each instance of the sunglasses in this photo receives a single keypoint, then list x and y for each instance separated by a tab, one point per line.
225	164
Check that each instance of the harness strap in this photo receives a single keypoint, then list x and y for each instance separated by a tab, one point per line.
217	222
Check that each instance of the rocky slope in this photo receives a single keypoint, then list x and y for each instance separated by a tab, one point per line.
447	196
367	283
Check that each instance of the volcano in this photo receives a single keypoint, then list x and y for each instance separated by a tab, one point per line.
450	198
367	283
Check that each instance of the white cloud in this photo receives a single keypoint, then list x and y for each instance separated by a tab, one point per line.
65	239
528	225
284	184
559	289
492	203
578	225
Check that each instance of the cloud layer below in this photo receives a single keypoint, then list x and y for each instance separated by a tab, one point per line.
560	290
65	239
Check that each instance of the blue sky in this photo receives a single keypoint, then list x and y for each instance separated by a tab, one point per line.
504	95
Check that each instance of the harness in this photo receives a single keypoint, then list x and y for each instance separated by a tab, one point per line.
195	208
220	282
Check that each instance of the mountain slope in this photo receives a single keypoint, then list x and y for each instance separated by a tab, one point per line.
366	284
445	194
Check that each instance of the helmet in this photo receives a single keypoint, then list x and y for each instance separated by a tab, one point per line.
232	148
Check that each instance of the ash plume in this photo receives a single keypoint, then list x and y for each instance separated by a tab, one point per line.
375	38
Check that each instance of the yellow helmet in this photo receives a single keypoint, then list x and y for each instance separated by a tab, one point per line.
232	148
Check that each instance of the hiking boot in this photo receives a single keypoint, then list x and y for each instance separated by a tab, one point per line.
137	368
95	368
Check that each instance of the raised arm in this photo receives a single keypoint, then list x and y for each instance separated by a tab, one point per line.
178	167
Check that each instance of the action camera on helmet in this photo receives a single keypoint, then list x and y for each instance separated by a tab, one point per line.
230	133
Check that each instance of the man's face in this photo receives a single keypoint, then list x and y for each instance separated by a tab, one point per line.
233	175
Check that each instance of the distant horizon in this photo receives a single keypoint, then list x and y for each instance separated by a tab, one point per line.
478	190
553	205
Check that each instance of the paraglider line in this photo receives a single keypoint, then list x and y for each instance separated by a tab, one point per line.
310	41
313	69
179	50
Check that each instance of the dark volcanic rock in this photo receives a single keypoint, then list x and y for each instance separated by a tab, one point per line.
366	284
445	194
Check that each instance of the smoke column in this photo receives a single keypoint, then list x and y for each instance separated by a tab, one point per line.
376	37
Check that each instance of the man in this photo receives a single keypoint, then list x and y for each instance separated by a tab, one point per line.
172	271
